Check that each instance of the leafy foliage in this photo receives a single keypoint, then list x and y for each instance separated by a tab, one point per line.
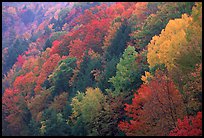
101	68
190	126
124	76
154	108
60	77
87	106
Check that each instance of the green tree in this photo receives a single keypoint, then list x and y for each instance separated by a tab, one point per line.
86	107
113	51
109	71
126	74
85	77
118	43
34	127
59	79
54	124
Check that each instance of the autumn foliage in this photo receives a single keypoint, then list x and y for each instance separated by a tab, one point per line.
102	69
190	126
154	109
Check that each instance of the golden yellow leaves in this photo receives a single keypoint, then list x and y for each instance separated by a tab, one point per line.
166	47
146	78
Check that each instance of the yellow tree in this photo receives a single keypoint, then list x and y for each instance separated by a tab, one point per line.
179	48
163	49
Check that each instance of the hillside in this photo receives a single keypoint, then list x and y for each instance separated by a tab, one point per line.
102	68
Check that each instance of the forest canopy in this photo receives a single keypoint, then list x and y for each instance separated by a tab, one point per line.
102	68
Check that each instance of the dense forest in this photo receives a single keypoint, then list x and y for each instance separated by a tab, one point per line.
102	68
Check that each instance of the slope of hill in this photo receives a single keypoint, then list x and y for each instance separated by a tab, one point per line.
102	68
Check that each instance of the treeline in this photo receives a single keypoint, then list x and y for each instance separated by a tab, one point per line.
107	69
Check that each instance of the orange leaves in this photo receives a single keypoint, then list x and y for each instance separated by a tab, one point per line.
11	10
146	78
42	26
139	11
27	35
77	48
119	8
93	31
29	64
27	78
47	68
51	63
17	81
25	83
50	26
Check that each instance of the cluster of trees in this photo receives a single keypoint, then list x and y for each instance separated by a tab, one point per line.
106	69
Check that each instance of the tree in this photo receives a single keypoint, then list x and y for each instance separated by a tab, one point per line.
180	56
54	124
126	74
154	109
146	78
27	16
47	44
59	78
18	47
38	104
15	111
87	107
59	48
59	102
192	53
156	21
166	47
85	78
46	70
20	60
112	113
25	84
117	43
190	126
34	128
108	72
77	49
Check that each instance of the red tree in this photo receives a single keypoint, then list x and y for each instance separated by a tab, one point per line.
25	84
13	112
77	49
154	109
20	60
190	126
47	68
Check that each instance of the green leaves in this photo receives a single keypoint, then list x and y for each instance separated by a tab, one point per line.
126	72
54	124
60	77
86	107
